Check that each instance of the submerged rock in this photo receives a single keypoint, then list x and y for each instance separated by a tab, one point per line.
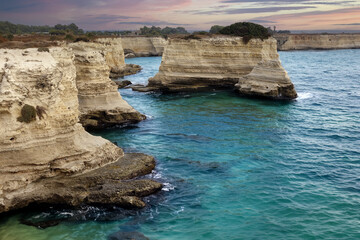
214	63
127	236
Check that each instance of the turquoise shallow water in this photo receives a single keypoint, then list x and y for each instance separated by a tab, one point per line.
237	168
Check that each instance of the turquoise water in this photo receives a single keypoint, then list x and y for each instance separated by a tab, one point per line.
237	168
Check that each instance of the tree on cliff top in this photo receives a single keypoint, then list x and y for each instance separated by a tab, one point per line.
247	30
157	31
216	29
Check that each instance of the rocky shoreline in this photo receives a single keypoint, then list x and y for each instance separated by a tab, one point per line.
46	156
48	96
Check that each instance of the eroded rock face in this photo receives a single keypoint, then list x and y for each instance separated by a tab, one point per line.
317	41
100	103
268	79
109	184
114	56
52	143
143	46
213	63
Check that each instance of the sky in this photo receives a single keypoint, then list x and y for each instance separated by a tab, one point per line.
300	15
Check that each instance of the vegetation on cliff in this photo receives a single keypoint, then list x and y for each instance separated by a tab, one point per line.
157	31
247	30
7	28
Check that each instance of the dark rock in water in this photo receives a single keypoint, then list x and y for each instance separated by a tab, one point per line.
103	119
123	83
127	236
129	69
130	55
41	224
128	51
142	88
112	184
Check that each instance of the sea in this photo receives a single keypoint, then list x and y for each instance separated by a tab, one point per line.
233	167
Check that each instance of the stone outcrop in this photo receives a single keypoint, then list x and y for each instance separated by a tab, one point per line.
143	46
317	41
219	62
268	79
114	56
100	103
46	156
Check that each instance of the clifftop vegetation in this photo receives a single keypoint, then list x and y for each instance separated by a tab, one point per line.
157	31
247	30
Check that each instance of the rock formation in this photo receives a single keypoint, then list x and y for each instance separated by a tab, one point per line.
46	156
143	46
268	79
114	56
220	62
100	103
317	41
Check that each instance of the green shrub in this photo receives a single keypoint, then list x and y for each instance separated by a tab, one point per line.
28	114
69	37
192	36
10	37
82	39
43	49
215	29
201	33
247	30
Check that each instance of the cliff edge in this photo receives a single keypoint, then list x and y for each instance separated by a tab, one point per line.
100	103
288	42
46	156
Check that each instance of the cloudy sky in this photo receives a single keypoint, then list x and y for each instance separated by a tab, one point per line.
192	14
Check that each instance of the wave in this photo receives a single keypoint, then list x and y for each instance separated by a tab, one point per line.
302	96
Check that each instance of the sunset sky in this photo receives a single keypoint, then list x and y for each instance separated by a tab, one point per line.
191	14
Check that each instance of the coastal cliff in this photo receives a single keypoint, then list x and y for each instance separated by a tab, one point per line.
143	46
288	42
46	156
115	58
100	103
220	62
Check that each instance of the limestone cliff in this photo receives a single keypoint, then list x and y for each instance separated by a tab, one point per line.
317	41
100	103
114	56
144	46
268	79
218	62
40	136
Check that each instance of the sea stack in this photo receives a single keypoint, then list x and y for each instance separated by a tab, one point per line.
100	103
221	62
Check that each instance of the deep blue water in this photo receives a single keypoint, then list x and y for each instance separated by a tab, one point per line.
237	168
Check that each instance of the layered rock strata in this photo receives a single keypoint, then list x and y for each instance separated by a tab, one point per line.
114	56
100	103
268	79
317	41
39	134
143	46
220	62
46	156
